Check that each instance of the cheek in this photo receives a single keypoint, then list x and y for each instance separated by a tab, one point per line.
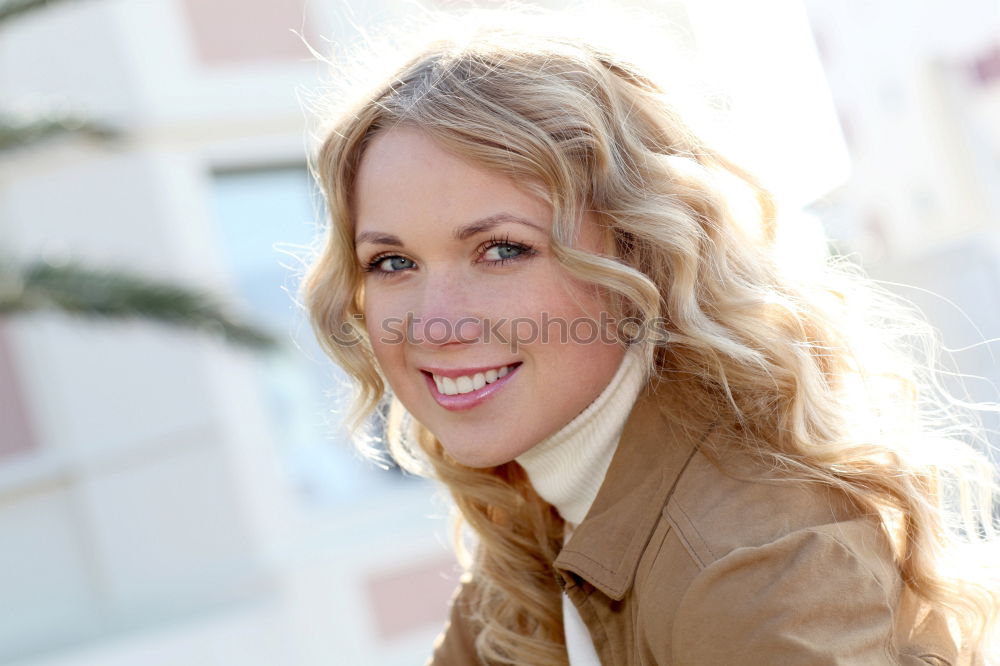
386	336
385	318
546	300
386	333
567	298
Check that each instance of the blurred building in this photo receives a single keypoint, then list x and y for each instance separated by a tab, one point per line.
167	500
917	91
164	499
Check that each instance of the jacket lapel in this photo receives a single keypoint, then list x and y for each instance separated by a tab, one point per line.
652	453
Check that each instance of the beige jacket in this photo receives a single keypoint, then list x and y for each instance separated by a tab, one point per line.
679	564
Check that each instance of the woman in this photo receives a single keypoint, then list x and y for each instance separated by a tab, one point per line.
668	450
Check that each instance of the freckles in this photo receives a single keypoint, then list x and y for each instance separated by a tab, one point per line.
383	316
550	293
387	335
376	325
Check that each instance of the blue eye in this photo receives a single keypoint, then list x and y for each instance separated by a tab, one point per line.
390	264
498	251
502	252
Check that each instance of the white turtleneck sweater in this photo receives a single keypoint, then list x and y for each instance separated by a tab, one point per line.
568	468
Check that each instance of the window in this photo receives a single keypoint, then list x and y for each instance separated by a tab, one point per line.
266	220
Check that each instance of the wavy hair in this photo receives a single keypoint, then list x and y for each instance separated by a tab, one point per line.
815	377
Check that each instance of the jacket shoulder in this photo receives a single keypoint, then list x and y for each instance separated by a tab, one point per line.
714	512
789	571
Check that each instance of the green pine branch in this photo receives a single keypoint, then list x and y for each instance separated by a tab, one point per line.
112	294
93	292
12	8
17	132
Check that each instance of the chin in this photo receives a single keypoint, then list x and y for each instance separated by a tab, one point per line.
480	457
475	461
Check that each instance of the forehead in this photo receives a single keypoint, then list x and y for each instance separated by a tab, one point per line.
400	150
405	178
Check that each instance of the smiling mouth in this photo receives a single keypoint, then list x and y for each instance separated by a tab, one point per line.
468	383
466	391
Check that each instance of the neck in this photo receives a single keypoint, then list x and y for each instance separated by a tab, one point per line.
568	467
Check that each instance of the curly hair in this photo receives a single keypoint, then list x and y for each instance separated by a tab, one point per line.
816	378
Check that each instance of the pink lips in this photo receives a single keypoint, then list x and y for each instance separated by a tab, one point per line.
469	400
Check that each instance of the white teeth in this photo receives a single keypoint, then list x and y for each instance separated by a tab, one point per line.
466	383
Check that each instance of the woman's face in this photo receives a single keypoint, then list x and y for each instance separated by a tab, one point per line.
473	322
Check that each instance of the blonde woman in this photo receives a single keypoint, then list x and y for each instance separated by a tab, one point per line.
668	451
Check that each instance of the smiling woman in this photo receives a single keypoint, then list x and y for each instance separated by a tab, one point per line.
668	450
457	249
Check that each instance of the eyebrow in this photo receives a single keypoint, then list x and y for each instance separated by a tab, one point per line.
490	222
377	238
461	233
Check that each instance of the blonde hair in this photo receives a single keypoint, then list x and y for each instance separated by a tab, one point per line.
813	377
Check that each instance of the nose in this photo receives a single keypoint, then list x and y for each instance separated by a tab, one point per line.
446	313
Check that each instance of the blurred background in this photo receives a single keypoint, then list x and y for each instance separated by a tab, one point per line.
176	489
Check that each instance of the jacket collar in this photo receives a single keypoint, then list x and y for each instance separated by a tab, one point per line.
651	455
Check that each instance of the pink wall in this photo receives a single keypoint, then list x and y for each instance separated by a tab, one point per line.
412	598
15	430
235	31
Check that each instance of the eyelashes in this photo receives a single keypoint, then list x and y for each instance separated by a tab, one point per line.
523	250
500	251
389	260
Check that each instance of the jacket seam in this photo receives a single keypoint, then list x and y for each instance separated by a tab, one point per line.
652	567
689	535
850	551
668	497
887	644
587	595
593	561
888	647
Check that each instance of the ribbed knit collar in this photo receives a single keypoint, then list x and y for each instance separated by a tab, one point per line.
568	467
